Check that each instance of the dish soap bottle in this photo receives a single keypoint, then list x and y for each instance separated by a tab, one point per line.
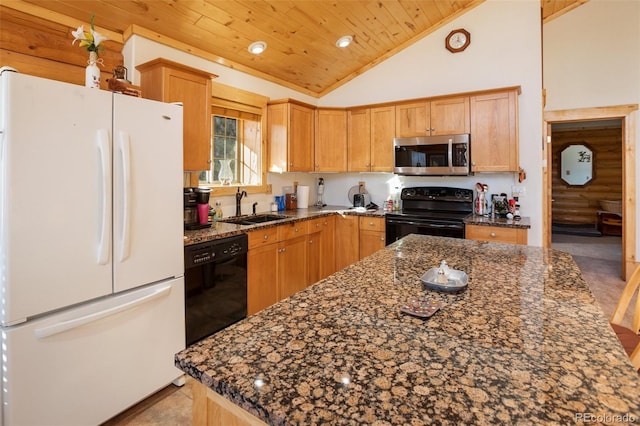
218	211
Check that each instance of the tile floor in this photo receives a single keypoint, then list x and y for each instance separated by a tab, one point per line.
599	259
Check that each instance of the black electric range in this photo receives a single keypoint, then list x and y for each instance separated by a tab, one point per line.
430	210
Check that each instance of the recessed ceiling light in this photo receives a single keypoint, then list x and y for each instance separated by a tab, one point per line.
257	47
344	41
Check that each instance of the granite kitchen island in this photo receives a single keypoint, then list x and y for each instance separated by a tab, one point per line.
525	343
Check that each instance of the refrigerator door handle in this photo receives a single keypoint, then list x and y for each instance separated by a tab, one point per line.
105	176
126	194
67	325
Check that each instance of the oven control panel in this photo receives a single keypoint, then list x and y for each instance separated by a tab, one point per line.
437	193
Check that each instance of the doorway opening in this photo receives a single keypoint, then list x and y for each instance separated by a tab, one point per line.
619	118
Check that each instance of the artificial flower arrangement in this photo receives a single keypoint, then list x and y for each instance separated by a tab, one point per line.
91	40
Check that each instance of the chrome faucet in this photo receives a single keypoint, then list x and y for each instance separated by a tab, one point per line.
239	195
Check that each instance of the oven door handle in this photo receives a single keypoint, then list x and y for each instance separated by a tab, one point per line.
432	225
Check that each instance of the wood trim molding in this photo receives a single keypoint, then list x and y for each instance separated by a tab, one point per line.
582	114
59	18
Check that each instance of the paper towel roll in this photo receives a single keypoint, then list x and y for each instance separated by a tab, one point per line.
303	196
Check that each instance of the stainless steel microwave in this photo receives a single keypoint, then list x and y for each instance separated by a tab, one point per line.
432	155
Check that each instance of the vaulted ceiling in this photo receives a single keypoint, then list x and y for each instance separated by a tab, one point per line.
301	35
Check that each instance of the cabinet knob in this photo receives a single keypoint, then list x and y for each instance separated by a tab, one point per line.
493	235
382	239
290	164
209	161
371	223
310	241
317	225
266	237
295	230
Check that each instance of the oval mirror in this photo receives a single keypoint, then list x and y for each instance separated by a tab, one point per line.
576	164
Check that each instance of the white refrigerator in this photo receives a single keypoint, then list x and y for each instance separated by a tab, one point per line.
91	250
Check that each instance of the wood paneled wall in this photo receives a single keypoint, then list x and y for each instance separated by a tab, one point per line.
579	205
43	48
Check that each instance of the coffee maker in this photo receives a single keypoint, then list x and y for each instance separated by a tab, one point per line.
190	203
192	197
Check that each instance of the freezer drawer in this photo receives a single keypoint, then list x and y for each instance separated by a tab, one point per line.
85	365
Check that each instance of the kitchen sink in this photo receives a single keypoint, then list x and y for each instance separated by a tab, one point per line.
253	220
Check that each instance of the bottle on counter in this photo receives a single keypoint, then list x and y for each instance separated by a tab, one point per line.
218	211
388	205
396	199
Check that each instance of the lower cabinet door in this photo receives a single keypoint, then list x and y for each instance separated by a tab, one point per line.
262	277
370	242
292	266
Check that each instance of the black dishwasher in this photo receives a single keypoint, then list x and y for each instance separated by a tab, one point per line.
215	285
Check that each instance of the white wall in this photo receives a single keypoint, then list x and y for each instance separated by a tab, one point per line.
504	51
592	59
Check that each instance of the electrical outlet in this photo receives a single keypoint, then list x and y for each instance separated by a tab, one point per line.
518	191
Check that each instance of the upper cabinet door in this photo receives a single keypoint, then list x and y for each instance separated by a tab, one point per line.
290	135
450	116
445	116
331	140
301	134
359	140
167	81
494	132
412	119
383	128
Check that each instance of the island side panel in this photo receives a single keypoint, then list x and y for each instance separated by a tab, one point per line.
210	408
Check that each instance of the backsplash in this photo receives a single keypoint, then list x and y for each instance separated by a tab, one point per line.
378	185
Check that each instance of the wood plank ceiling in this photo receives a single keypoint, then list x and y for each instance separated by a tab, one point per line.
300	35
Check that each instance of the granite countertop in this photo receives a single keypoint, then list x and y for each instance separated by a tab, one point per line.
500	222
525	343
222	229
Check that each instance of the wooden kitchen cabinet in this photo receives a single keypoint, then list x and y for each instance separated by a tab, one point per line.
383	129
347	241
290	136
494	131
292	258
370	139
330	147
496	234
321	262
371	235
262	269
445	116
359	140
167	81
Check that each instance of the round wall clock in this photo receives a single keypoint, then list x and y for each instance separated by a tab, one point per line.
457	40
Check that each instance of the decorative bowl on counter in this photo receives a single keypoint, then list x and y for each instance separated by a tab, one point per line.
452	281
420	307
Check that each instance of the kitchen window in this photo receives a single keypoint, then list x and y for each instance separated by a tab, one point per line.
236	157
238	149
